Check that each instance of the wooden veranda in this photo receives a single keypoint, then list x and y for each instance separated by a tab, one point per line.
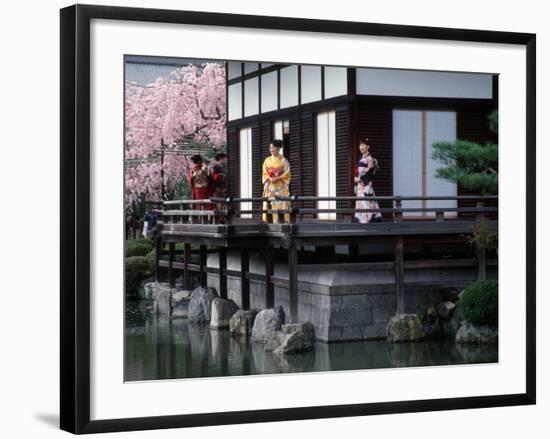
236	223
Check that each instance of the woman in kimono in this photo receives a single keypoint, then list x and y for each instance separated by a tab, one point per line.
199	180
364	174
276	180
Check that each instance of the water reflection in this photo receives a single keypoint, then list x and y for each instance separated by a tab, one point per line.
160	348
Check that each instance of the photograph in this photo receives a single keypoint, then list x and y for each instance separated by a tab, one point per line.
298	218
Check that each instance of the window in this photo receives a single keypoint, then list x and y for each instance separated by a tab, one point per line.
326	161
414	171
251	97
269	92
245	167
235	101
289	86
281	130
311	84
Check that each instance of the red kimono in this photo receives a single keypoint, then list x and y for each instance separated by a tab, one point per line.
199	182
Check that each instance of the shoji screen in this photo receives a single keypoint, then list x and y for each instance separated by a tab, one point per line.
440	126
245	166
414	171
326	161
407	155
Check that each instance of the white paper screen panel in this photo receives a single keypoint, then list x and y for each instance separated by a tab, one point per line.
234	101
440	126
326	161
336	81
251	101
311	84
234	69
269	92
278	133
245	164
289	86
388	82
407	156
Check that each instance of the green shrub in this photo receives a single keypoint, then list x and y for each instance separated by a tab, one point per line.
479	303
137	270
152	260
138	247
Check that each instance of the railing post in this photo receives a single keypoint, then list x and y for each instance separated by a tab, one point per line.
269	216
397	214
439	216
229	211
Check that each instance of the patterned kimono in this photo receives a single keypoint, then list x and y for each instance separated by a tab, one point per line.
199	182
218	180
363	190
276	167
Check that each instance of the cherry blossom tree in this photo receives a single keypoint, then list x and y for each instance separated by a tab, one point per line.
189	104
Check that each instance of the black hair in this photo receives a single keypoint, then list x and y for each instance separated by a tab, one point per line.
277	143
365	141
220	156
196	159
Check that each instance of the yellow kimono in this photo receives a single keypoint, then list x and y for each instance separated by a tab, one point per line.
276	167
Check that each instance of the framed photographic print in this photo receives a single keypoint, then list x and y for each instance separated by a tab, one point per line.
285	218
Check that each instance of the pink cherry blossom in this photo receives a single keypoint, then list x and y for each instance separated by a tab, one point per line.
191	103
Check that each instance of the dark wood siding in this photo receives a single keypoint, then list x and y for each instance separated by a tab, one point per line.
233	162
375	121
343	158
294	155
308	159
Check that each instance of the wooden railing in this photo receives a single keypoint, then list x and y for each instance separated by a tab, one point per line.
234	210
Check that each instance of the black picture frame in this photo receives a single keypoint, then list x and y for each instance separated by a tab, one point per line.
75	217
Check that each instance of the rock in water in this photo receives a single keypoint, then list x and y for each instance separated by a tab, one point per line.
445	309
200	304
163	303
404	327
267	321
291	339
180	303
222	311
470	334
242	322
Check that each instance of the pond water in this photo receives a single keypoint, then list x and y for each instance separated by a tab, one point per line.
164	348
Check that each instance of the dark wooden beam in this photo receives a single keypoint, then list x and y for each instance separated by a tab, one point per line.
481	264
245	281
399	275
202	251
222	254
269	268
186	262
293	282
171	271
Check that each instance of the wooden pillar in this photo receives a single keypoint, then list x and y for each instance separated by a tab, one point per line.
245	280
158	270
223	271
293	281
399	275
481	264
269	267
171	271
186	262
202	274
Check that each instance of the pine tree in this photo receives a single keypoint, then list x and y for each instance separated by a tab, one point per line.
472	165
